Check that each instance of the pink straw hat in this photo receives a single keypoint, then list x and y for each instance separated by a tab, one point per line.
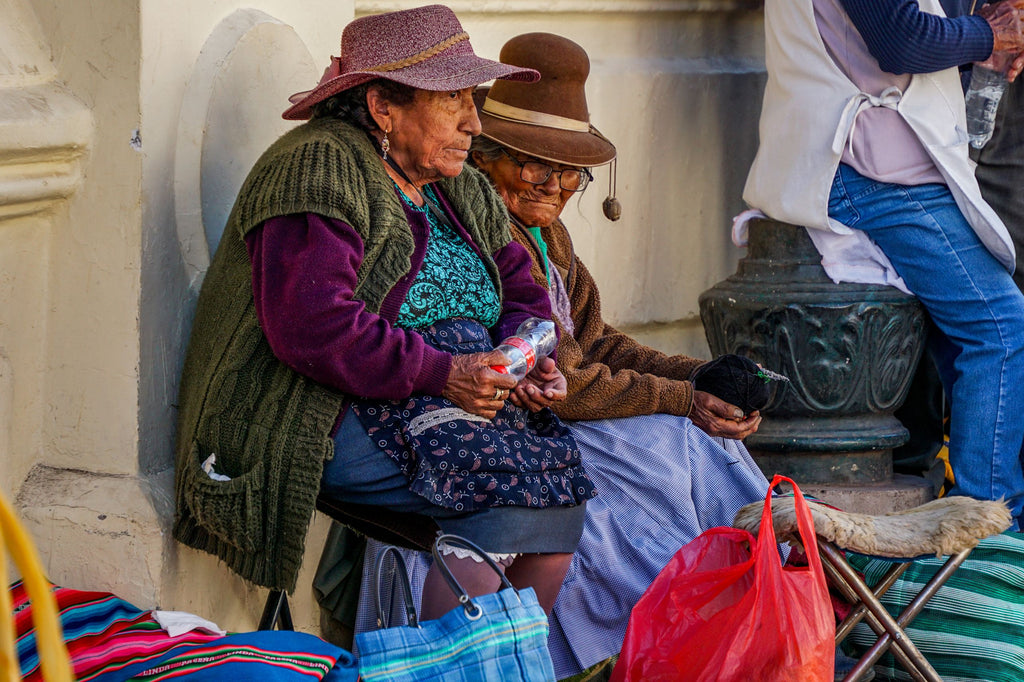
424	48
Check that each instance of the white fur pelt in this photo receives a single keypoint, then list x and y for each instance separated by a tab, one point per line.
940	527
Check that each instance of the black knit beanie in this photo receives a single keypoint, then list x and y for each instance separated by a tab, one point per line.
737	380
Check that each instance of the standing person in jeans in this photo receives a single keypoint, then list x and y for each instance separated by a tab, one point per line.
863	141
1000	174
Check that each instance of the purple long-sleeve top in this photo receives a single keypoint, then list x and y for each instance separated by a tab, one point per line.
304	273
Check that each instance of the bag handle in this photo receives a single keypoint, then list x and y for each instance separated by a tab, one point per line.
472	610
403	580
53	653
804	520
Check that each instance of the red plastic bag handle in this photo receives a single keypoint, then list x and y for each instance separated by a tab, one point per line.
766	541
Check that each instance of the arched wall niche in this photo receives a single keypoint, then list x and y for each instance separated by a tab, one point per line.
246	70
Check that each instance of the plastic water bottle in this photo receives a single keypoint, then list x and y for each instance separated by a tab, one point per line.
535	339
982	99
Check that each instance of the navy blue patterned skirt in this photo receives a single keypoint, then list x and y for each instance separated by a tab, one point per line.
512	484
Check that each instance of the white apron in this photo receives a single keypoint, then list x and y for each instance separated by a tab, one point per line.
809	112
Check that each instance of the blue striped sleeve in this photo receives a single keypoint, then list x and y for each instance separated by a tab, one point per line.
906	40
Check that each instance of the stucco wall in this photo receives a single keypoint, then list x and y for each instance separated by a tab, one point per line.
45	133
92	335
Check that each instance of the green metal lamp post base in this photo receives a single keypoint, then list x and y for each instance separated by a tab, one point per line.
849	350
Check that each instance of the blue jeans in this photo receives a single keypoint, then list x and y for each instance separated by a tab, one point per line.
977	312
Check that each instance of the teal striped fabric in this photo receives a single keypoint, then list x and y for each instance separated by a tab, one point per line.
973	628
508	643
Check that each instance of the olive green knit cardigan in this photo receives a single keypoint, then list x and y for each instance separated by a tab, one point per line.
268	425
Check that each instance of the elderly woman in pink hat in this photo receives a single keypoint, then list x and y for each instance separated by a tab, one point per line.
665	457
343	340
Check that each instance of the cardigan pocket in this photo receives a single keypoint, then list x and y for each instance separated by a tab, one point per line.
232	509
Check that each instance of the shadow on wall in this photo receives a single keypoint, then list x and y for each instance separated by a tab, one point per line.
718	110
230	113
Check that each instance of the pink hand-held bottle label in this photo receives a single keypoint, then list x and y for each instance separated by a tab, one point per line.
523	345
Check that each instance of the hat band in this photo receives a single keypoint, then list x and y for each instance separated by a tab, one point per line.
508	112
421	56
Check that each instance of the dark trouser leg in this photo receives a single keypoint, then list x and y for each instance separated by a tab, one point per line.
1001	169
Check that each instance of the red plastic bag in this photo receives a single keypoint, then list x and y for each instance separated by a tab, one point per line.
726	609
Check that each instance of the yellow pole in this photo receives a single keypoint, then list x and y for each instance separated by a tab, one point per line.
53	655
9	671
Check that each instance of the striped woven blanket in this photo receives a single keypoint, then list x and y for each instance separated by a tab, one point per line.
110	640
973	628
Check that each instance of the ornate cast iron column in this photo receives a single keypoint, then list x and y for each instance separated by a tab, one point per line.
849	349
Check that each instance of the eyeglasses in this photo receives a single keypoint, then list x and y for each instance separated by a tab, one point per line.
537	173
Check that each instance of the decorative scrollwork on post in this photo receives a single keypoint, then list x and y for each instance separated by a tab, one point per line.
849	350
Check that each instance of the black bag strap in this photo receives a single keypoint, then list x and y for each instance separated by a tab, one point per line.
472	610
402	579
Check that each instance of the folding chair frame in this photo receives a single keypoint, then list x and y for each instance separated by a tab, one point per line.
868	607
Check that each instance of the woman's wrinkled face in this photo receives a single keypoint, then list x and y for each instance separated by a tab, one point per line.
430	137
533	205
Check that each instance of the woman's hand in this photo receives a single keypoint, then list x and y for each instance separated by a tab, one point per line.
1007	27
540	388
716	417
1016	67
475	387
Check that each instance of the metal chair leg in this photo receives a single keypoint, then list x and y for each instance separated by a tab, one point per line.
860	670
858	612
276	613
285	621
893	629
912	610
861	612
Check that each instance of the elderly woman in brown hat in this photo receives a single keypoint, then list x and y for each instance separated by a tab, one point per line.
343	341
666	458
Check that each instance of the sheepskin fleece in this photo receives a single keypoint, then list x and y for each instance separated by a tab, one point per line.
940	527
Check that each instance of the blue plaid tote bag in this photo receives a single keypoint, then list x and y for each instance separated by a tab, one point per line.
500	637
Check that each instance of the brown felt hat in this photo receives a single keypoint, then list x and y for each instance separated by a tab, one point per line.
547	119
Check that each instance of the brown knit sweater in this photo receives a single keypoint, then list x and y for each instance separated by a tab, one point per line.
609	374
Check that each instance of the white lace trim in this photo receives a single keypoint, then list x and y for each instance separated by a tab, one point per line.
463	553
446	414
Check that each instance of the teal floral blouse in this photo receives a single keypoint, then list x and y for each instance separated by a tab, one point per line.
453	282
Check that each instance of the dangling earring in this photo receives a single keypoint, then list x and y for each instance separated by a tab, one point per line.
385	144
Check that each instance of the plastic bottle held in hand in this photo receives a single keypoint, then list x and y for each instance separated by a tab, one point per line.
982	100
535	339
